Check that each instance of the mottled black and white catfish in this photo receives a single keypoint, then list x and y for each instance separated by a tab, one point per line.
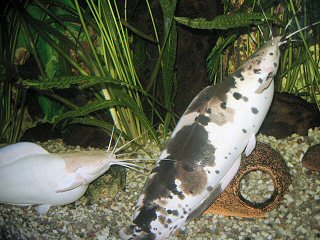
206	146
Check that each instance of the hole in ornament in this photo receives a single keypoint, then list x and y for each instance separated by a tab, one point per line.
257	188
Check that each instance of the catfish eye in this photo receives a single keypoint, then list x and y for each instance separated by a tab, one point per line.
101	161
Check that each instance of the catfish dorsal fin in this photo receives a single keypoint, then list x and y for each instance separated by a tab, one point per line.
13	152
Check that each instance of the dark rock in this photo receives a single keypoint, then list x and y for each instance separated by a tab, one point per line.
86	136
193	47
290	114
263	158
311	159
42	132
75	135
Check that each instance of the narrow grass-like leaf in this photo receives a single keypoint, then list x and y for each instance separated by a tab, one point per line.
69	81
213	61
13	120
100	124
139	114
93	122
88	108
96	60
294	65
168	56
241	19
138	32
103	125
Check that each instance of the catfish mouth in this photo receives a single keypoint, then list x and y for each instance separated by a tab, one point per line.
93	172
101	169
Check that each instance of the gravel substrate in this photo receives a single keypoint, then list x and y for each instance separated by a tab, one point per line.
298	216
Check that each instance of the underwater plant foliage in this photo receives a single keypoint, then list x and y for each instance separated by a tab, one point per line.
94	43
87	46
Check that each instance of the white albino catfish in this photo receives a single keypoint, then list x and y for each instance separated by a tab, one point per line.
31	175
217	127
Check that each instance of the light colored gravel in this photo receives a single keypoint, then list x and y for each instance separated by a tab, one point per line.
298	216
256	182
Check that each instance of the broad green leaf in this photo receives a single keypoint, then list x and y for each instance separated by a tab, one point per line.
51	108
47	32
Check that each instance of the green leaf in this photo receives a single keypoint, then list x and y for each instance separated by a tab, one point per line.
88	108
100	124
138	113
51	108
47	54
138	32
241	19
169	52
139	55
213	61
93	122
69	81
56	38
301	60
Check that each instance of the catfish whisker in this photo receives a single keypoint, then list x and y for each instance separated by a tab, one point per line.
288	24
265	16
134	139
133	168
114	150
260	30
110	139
301	29
146	159
125	163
